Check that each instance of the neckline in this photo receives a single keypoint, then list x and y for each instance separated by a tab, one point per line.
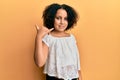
61	37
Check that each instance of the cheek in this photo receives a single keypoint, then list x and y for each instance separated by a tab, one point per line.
56	22
66	22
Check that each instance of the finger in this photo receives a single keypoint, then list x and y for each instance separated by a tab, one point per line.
37	27
51	29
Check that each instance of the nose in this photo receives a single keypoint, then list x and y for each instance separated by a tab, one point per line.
62	21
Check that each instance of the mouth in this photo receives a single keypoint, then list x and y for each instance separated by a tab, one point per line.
61	27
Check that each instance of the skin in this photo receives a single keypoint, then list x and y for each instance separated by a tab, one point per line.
41	47
60	25
60	22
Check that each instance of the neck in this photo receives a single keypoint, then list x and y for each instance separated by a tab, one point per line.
59	32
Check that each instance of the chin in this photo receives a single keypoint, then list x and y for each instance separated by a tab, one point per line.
62	30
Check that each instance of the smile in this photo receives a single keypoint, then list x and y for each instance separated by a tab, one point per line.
61	26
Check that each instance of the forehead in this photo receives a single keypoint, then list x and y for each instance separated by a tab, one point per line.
61	12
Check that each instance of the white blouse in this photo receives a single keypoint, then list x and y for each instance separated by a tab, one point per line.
63	57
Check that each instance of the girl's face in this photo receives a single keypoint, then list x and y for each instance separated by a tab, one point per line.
60	21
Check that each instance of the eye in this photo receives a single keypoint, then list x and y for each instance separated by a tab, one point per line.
57	18
65	19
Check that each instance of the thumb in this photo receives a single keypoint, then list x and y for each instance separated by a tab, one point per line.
37	27
51	29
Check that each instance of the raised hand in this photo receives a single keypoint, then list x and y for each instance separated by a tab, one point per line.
42	31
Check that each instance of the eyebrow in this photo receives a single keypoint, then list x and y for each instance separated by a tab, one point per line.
60	16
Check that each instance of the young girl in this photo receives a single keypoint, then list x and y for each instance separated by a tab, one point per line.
55	48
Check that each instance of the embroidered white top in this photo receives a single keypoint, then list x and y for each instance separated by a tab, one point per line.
63	57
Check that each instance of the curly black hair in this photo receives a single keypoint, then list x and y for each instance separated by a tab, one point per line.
51	10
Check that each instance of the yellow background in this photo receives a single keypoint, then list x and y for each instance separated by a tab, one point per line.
97	34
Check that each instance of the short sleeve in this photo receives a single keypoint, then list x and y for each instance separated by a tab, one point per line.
46	40
74	38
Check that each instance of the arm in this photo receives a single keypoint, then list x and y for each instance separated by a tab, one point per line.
41	52
80	76
41	49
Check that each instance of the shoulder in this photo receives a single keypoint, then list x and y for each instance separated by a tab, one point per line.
73	37
46	36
